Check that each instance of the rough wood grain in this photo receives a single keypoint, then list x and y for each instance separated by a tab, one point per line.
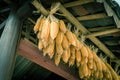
31	52
76	3
109	31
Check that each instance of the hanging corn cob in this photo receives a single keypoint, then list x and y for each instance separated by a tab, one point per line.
40	45
54	27
66	55
78	57
65	43
84	53
45	30
62	26
59	37
38	23
72	57
90	58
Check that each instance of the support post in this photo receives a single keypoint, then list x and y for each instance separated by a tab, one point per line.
9	40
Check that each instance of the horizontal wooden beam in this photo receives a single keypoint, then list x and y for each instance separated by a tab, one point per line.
31	52
93	16
77	24
76	3
100	28
110	31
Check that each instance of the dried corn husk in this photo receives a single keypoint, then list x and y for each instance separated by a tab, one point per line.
62	26
38	23
94	66
78	64
54	27
41	25
51	50
65	43
57	59
96	74
45	43
59	37
40	45
90	58
83	70
78	56
84	53
48	49
113	73
72	57
101	74
38	35
89	72
70	38
98	62
45	30
59	49
104	67
66	55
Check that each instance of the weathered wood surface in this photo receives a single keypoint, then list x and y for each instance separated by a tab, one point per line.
74	21
76	3
31	52
109	31
9	40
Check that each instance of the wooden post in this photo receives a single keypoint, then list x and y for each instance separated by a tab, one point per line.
9	40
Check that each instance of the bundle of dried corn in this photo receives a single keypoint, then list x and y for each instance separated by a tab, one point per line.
58	41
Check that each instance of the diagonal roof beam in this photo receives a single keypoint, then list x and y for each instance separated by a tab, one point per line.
74	21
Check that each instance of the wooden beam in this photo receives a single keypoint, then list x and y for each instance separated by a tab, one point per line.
110	31
76	3
100	28
31	52
9	40
74	21
90	17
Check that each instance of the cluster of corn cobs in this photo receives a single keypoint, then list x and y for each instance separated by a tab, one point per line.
55	40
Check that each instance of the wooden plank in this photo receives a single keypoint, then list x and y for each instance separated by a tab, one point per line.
76	3
31	52
110	31
90	17
80	10
74	21
100	28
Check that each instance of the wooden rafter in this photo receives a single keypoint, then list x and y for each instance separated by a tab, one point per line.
74	21
31	52
76	3
93	16
100	28
103	32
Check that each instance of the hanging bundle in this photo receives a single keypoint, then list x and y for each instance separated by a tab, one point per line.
59	42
